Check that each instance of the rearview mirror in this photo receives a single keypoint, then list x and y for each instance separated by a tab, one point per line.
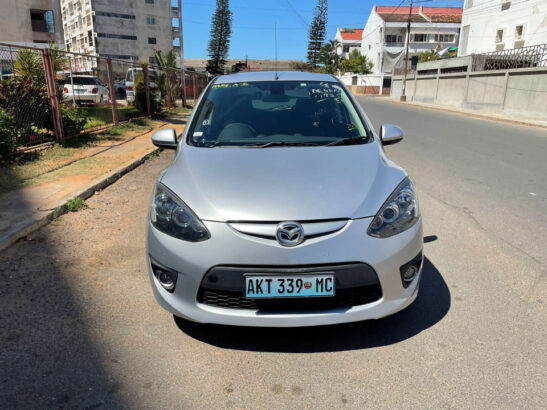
390	134
165	138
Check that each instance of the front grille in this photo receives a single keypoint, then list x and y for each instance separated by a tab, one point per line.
356	284
344	298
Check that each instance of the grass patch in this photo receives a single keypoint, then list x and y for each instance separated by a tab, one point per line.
75	204
99	116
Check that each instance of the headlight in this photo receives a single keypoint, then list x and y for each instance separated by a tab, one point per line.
173	217
399	212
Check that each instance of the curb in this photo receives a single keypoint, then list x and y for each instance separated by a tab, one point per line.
453	111
11	237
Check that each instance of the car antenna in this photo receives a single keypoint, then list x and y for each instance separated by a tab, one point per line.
275	33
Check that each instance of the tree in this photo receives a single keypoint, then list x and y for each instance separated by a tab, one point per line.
430	55
29	65
356	63
219	41
169	63
239	66
318	30
328	56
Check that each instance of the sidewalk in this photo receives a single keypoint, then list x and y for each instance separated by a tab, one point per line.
25	210
468	113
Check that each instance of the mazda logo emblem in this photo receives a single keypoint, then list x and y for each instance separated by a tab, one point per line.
289	233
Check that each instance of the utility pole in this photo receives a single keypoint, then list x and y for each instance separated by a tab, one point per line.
403	96
183	85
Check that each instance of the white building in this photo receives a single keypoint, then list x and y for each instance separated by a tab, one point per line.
503	24
385	33
122	29
349	39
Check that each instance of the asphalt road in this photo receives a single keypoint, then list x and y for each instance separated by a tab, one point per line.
494	172
79	327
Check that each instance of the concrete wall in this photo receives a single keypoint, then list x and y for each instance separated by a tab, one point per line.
16	25
521	92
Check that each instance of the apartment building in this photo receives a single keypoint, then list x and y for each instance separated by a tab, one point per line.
125	29
349	39
31	22
503	24
385	33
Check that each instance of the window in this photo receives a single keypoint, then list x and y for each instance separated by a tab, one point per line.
152	60
120	36
117	15
149	1
394	38
346	49
499	36
42	21
151	40
289	112
518	32
176	41
419	38
150	20
505	5
444	38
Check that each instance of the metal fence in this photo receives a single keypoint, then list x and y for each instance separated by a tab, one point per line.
47	94
523	57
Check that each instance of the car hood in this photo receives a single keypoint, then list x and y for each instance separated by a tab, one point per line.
284	183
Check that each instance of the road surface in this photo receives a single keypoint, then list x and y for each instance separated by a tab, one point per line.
79	327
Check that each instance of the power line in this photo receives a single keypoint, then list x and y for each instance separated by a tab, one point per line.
297	14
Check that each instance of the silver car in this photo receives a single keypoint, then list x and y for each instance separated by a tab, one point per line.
282	209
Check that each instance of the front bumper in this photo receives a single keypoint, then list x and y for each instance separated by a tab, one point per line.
229	247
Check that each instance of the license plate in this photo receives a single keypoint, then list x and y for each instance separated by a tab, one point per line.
79	91
288	286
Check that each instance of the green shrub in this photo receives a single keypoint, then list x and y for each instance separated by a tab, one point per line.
73	121
140	97
75	204
9	133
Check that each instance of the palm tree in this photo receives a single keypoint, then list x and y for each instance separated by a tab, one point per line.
329	56
168	62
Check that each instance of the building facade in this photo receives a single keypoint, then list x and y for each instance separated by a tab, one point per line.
131	30
494	26
349	39
384	37
31	22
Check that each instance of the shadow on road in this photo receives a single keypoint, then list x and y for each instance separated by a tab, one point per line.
431	305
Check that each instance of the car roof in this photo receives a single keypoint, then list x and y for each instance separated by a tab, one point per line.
249	76
83	75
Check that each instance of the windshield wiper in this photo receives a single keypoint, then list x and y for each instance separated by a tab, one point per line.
346	141
282	144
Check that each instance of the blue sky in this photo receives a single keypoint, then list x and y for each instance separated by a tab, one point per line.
254	20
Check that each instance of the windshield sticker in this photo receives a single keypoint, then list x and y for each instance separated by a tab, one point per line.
198	133
230	85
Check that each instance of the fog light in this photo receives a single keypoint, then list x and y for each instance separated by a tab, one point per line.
410	272
167	277
410	269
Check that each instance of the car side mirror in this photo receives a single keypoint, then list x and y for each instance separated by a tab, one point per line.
165	138
390	134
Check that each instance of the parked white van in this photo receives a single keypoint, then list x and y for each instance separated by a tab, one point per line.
153	79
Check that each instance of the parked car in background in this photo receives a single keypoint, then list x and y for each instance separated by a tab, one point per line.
153	80
85	88
119	86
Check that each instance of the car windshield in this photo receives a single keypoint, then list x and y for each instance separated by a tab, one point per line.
81	81
266	114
